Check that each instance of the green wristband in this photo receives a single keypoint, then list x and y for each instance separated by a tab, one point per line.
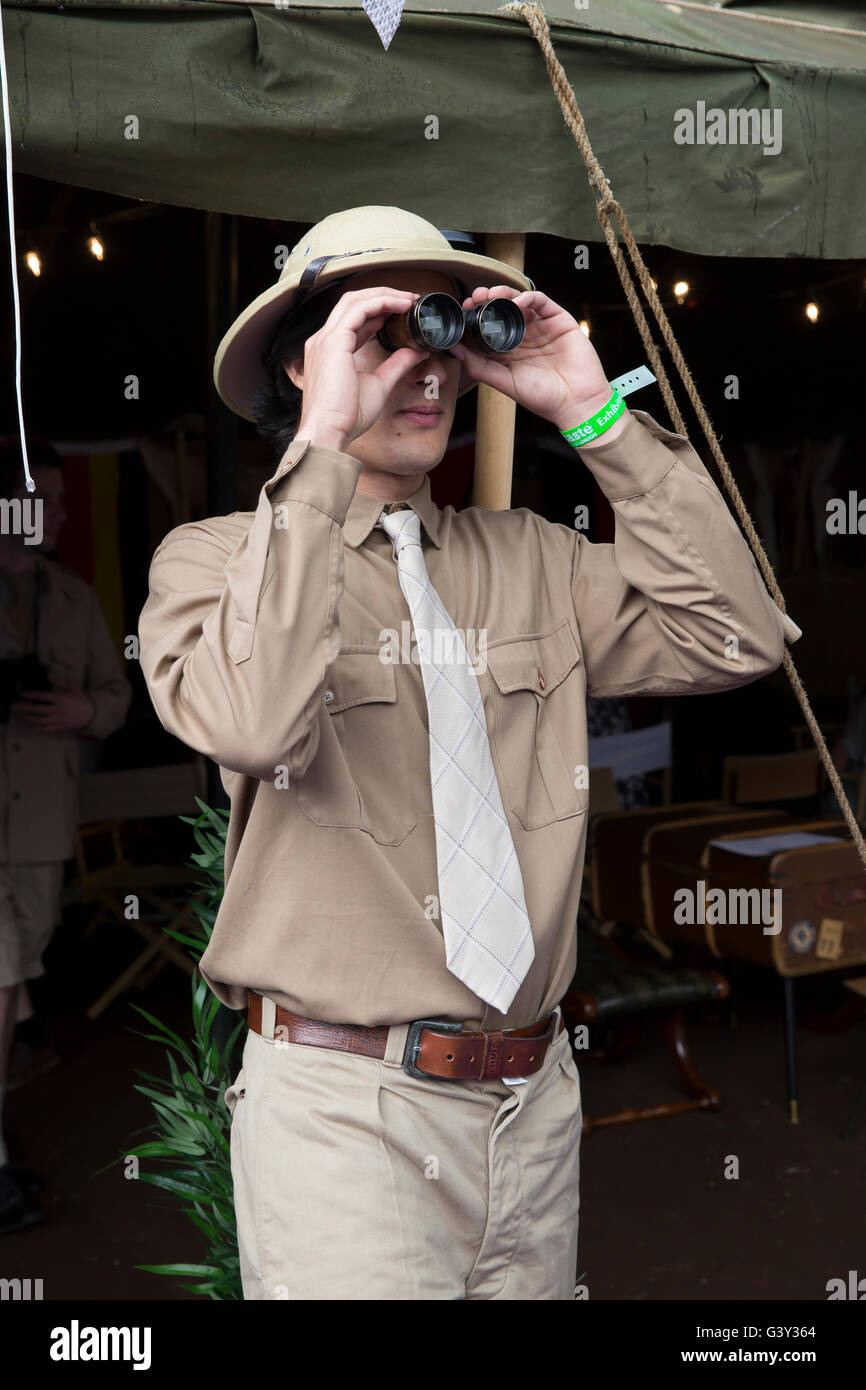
596	424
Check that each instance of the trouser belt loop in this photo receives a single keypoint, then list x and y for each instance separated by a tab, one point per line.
396	1045
269	1017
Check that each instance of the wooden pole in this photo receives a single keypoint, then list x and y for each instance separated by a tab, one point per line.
494	427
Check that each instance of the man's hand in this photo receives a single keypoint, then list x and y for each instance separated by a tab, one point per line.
55	711
555	371
341	399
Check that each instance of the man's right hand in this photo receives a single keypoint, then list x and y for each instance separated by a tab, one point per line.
344	392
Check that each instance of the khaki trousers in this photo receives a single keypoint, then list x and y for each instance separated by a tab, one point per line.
353	1180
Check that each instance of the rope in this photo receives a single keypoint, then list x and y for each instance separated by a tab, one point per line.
13	255
607	207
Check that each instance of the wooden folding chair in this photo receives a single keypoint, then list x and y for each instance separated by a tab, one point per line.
771	777
634	752
616	756
109	803
803	736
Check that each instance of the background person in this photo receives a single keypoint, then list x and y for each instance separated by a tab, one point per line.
50	614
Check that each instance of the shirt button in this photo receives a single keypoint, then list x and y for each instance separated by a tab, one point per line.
329	695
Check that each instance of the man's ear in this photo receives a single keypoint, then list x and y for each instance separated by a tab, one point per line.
294	370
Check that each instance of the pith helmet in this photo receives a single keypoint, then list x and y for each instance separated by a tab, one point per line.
343	244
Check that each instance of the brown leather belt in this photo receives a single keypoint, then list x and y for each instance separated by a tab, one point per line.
434	1049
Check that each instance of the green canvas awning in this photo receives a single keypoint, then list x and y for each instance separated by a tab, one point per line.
293	112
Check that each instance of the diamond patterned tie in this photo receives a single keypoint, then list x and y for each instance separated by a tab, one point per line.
488	938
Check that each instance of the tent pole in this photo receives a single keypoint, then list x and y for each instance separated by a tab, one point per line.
494	427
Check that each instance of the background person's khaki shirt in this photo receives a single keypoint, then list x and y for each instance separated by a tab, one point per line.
260	645
39	810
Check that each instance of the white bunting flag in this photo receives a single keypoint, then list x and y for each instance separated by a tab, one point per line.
385	15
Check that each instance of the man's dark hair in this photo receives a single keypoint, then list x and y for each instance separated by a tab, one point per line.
277	407
40	454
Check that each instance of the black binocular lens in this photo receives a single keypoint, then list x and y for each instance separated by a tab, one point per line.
434	322
497	326
440	321
437	322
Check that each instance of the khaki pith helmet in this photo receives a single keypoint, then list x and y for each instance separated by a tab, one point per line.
343	244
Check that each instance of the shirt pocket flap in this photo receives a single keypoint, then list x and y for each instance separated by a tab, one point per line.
539	663
357	677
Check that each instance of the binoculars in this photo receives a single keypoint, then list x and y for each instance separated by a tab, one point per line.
437	322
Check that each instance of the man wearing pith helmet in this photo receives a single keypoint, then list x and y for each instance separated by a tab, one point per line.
407	834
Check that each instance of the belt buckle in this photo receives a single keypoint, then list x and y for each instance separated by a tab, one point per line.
413	1045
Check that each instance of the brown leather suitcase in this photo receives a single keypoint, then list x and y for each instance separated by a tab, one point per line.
821	924
823	901
673	860
621	841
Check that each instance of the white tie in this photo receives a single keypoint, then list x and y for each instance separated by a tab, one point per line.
488	938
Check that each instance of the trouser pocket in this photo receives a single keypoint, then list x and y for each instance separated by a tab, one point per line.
235	1092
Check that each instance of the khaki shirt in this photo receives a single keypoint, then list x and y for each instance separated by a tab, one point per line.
39	772
260	645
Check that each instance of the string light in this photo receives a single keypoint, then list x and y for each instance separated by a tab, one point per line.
681	289
583	325
812	311
33	263
95	247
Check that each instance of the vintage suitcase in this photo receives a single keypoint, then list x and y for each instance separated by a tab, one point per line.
800	911
672	852
621	841
822	893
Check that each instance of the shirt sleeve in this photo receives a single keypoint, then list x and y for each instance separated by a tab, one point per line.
105	680
235	640
676	605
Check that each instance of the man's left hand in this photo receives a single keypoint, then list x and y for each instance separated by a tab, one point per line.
555	372
55	711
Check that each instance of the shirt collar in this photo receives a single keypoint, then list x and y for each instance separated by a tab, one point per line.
364	512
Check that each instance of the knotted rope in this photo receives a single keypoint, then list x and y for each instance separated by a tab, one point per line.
606	207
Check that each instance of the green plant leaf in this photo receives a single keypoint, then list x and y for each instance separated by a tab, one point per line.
191	1121
212	1128
176	1186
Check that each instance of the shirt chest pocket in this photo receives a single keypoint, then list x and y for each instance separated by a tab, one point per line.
67	662
537	710
359	778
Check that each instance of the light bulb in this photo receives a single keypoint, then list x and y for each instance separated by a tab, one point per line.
812	311
584	326
95	247
34	264
681	289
